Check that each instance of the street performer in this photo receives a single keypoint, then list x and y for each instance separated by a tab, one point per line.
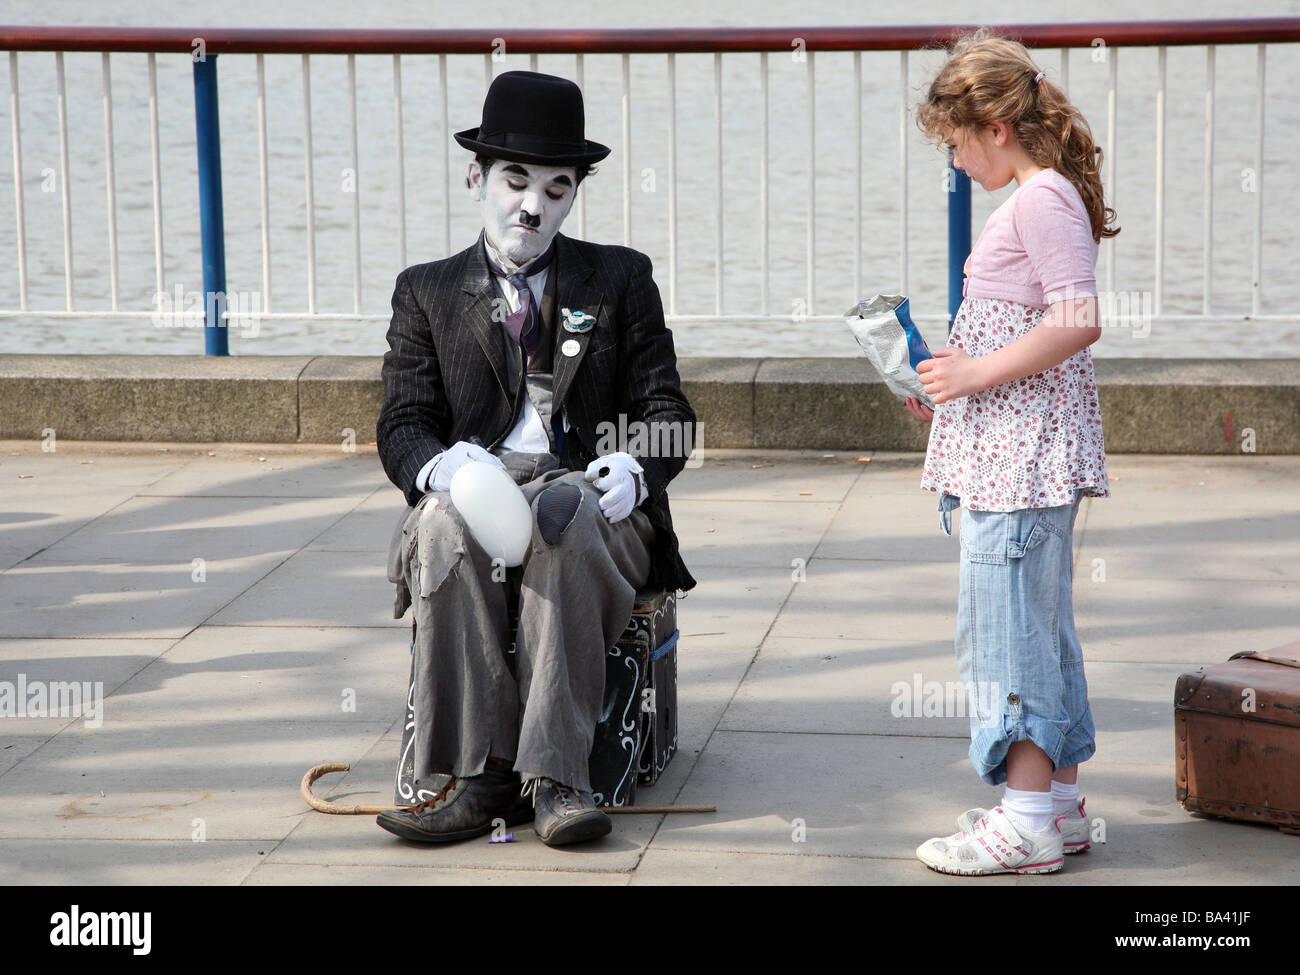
522	351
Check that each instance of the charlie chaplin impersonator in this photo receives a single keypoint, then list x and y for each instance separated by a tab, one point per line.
515	352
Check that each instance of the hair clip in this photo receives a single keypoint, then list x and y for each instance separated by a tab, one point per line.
1038	77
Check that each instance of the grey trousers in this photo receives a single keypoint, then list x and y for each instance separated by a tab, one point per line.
574	601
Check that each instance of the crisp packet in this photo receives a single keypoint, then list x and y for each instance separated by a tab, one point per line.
891	341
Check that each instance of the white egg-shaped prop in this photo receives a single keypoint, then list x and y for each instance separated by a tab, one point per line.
494	510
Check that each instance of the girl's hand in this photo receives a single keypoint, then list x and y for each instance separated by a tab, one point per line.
918	409
951	374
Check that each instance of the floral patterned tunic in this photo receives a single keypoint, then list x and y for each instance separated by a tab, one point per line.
1029	443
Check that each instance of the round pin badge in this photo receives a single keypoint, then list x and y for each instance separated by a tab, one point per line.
571	347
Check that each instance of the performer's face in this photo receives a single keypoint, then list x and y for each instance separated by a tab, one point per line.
523	205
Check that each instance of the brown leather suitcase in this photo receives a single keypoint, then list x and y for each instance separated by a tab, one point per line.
1237	726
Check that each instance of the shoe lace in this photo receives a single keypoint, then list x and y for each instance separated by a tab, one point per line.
433	801
566	795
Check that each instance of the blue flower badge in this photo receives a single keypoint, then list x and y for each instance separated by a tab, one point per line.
577	321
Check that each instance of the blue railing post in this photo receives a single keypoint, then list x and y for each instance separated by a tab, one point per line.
958	235
207	123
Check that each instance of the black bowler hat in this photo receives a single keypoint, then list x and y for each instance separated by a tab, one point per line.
536	118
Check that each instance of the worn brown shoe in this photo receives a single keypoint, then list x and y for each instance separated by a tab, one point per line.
466	808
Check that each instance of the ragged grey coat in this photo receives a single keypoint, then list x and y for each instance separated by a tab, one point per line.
445	375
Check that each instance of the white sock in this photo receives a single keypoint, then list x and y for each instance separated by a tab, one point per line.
1065	798
1033	810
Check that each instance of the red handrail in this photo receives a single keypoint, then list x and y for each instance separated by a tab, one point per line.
221	40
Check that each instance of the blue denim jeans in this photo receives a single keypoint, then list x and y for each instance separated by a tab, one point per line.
1017	650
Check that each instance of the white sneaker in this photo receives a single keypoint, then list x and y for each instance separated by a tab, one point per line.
993	844
1076	830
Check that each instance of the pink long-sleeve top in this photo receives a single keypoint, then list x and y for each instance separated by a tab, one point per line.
1037	247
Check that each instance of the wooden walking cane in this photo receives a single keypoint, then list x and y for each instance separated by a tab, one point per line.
337	809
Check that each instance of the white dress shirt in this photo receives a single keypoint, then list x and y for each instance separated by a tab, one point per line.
529	433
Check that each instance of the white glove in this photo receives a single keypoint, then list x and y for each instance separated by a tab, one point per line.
619	476
447	463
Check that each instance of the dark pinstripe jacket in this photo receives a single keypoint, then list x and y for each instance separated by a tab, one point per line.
445	377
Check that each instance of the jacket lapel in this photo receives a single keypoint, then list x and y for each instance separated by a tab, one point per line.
576	289
479	295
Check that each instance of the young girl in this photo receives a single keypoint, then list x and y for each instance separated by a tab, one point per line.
1016	439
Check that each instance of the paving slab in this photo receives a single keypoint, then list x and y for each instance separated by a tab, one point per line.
1164	480
1209	544
706	867
815	794
48	495
97	666
859	599
738	603
129	863
110	599
274	673
424	875
734	475
276	472
366	528
677	868
878	687
710	670
23	736
757	533
892	527
319	588
1179	619
153	780
889	472
74	465
868	796
158	566
32	525
154	530
221	693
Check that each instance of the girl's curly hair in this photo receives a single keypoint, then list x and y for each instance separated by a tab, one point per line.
989	79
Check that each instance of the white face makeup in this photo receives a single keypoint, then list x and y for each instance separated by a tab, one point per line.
523	205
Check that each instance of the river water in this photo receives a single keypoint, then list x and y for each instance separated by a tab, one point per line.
1235	185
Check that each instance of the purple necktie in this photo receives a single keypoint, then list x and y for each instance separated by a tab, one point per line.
525	326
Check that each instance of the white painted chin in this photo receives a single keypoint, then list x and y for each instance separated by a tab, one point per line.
522	246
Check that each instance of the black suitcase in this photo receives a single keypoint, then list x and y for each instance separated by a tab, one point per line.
636	735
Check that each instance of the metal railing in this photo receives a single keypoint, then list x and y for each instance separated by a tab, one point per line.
203	46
